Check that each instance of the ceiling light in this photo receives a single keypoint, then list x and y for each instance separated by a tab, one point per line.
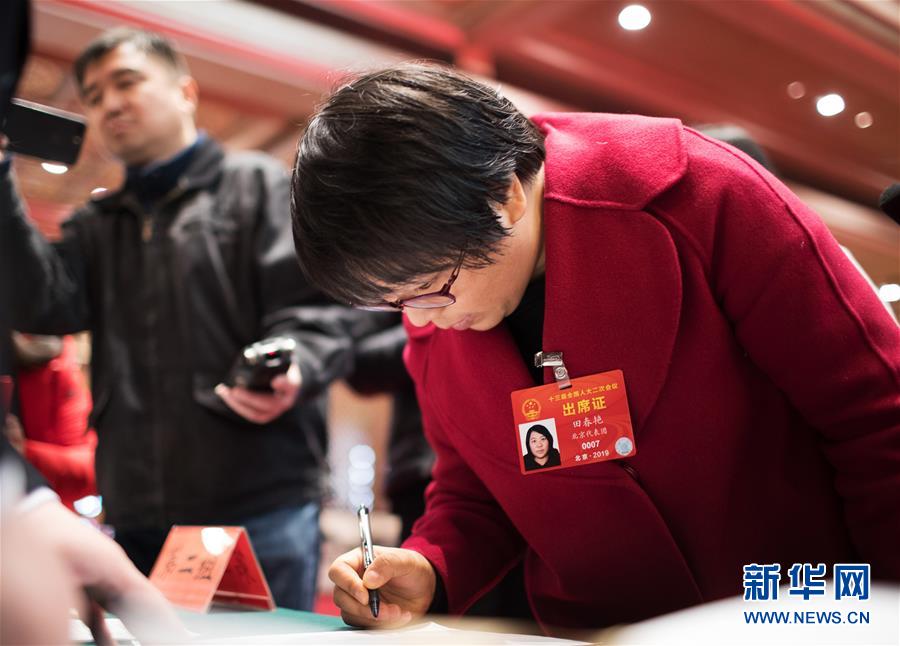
634	17
830	105
55	169
889	293
863	119
796	90
98	190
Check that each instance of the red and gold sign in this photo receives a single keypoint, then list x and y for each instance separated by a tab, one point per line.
202	565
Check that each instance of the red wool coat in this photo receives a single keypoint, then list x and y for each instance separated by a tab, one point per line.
762	373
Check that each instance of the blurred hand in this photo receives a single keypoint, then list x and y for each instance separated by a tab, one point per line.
405	580
259	407
100	567
36	589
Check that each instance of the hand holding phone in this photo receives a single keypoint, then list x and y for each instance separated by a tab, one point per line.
261	362
264	382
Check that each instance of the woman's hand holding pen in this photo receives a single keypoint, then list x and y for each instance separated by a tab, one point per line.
405	580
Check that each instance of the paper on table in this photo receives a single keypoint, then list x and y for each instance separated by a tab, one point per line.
79	633
430	633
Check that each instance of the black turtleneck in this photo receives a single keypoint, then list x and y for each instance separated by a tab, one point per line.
153	181
526	326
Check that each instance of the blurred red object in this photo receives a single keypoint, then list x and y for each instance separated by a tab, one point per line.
54	404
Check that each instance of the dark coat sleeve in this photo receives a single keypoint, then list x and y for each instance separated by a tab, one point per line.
379	368
46	284
289	305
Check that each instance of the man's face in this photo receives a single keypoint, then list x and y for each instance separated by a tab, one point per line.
539	445
137	104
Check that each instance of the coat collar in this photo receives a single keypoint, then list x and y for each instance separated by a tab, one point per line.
629	159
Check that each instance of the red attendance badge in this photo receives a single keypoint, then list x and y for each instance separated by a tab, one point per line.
567	427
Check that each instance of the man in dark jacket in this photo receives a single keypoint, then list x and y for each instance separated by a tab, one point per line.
173	274
56	555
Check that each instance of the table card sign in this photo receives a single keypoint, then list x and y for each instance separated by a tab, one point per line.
199	566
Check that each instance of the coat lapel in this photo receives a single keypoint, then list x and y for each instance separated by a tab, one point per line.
613	297
613	276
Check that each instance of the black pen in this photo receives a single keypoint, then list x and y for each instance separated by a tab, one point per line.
368	552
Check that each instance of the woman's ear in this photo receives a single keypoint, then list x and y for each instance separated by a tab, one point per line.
514	208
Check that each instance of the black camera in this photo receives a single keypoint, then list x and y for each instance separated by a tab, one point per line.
261	362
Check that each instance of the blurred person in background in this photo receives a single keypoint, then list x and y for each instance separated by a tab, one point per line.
51	561
174	274
52	403
761	371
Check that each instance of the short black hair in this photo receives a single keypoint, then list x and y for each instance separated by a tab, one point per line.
148	42
399	172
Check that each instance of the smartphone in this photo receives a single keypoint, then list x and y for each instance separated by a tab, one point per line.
41	131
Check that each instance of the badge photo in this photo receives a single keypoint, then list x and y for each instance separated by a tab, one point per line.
539	444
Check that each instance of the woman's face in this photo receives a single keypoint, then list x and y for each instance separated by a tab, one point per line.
538	445
485	296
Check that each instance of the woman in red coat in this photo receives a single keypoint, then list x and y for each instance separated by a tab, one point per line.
737	381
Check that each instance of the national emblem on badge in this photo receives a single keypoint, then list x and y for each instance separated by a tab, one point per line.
531	409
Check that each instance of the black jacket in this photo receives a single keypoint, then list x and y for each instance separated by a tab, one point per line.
553	460
170	298
15	32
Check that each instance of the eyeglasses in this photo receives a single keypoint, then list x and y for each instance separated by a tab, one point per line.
429	301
